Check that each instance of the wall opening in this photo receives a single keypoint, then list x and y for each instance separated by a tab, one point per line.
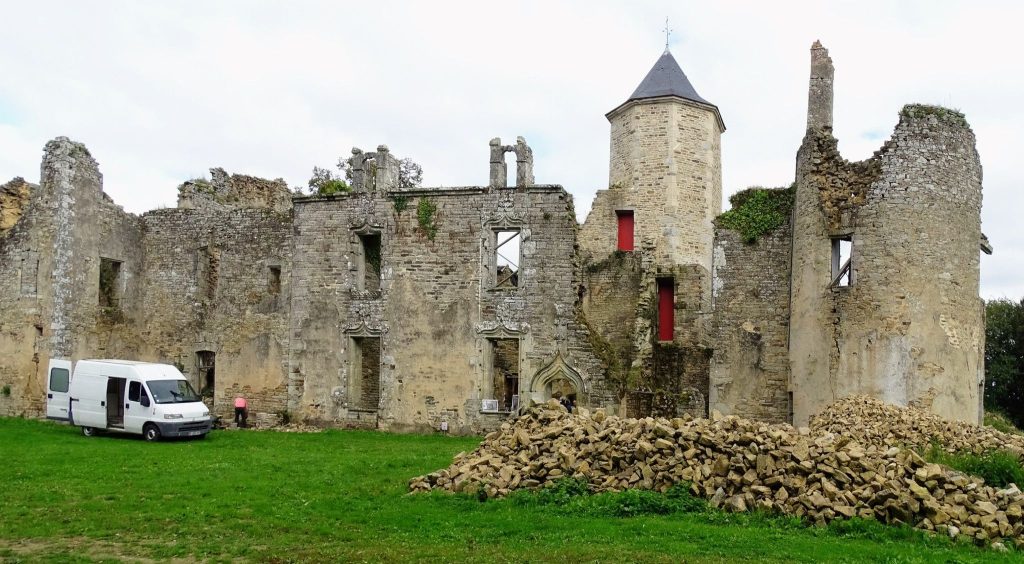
364	374
274	281
504	354
370	262
842	261
666	309
206	370
206	273
626	229
110	283
507	257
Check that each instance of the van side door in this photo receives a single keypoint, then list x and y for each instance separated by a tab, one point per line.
137	407
58	381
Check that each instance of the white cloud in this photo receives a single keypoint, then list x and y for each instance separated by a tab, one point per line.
161	92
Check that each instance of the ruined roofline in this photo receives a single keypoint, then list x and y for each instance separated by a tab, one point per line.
432	191
907	114
630	103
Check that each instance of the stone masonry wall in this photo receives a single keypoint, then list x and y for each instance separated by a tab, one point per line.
750	367
666	157
909	328
208	288
437	305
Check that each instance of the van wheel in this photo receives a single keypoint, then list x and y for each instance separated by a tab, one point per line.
89	431
151	432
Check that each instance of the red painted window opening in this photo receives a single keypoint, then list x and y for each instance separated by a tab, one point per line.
666	309
625	229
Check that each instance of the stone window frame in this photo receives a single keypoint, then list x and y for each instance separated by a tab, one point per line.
841	270
488	391
496	245
353	393
358	268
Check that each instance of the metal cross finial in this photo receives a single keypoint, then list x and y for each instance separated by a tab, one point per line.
668	32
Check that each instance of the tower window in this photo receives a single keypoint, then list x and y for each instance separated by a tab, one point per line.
625	221
666	309
274	284
842	261
110	283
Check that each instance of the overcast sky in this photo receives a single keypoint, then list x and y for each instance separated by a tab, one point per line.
162	91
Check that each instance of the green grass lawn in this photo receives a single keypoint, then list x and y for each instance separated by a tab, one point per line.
341	496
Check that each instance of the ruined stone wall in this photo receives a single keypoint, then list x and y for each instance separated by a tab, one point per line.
22	315
749	373
437	305
666	166
909	328
209	287
224	192
54	251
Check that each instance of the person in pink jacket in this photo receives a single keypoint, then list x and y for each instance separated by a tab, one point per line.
241	412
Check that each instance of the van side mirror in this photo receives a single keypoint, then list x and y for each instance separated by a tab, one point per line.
144	400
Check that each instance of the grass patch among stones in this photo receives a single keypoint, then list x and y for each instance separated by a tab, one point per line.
342	496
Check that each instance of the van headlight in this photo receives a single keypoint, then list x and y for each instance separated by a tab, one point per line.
205	414
173	416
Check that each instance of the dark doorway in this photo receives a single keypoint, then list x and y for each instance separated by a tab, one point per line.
206	369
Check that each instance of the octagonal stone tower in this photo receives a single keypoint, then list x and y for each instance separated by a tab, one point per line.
665	168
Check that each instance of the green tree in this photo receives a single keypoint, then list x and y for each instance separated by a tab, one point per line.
1004	358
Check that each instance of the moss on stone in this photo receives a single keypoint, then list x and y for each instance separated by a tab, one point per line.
953	117
758	211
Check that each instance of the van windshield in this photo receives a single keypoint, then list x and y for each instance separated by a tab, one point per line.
172	391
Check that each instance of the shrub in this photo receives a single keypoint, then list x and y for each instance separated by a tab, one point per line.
758	211
425	214
999	468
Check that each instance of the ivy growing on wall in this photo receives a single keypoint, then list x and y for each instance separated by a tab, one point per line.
758	211
426	211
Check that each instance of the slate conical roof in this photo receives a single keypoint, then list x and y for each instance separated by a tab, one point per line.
666	78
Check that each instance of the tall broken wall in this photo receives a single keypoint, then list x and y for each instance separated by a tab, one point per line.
909	327
749	374
49	295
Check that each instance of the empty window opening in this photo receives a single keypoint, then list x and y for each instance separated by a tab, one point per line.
274	283
666	309
110	283
370	263
115	402
626	226
364	380
505	373
207	374
206	272
507	256
842	261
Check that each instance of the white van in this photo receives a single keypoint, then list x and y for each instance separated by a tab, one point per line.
124	396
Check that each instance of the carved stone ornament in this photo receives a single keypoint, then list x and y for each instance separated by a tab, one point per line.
365	323
364	212
505	211
509	316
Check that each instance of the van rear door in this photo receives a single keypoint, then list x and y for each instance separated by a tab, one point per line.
58	380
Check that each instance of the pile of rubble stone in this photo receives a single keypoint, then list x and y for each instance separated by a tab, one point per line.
853	461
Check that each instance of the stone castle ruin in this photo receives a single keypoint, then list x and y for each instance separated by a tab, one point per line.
424	308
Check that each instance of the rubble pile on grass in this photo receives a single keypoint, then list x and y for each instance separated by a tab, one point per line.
857	459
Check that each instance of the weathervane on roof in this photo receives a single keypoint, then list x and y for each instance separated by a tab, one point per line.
668	32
